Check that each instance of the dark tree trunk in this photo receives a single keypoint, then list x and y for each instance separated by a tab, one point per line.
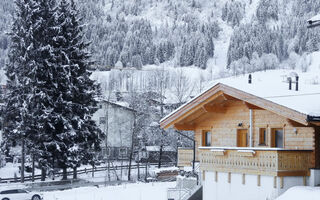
138	164
22	160
160	156
75	173
33	167
92	170
130	161
109	169
64	174
146	176
43	173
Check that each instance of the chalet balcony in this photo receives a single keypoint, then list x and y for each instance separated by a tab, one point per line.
185	157
268	161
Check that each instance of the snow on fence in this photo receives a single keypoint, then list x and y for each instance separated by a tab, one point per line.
82	171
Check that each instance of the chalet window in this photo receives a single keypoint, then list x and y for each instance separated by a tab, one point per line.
102	120
122	152
108	151
206	138
277	137
100	106
262	136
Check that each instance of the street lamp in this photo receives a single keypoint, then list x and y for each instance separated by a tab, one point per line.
314	21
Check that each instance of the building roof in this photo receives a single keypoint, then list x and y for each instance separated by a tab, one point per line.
157	148
315	18
123	105
269	90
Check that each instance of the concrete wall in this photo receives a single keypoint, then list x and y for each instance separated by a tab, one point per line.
223	190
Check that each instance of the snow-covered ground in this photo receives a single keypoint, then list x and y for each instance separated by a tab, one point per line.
137	191
299	193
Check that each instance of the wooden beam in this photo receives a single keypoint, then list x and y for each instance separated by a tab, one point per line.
214	109
251	106
294	123
230	98
294	173
192	117
185	127
192	107
315	123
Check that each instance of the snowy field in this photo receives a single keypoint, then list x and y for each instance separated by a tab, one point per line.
137	191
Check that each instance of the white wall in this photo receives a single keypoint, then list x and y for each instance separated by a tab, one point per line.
119	124
222	190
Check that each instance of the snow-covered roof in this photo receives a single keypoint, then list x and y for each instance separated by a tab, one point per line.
315	18
120	104
273	86
157	148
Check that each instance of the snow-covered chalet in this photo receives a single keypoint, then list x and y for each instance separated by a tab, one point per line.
256	135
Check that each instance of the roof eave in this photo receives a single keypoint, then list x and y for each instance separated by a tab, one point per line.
171	119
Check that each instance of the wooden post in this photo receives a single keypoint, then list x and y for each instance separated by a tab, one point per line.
229	177
274	182
216	177
243	179
259	180
304	180
281	182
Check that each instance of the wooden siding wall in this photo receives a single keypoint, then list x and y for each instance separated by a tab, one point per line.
224	127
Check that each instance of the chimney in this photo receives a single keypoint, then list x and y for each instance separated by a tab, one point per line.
297	83
290	83
250	79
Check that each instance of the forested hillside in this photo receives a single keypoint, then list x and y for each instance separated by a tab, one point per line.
243	36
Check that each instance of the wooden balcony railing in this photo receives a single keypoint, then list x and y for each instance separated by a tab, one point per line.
272	162
185	157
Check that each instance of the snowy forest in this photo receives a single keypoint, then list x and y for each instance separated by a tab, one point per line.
189	41
136	33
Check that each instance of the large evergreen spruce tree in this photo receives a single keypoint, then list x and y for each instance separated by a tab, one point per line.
51	98
84	138
26	59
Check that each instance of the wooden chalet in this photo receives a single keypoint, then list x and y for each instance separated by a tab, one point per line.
262	137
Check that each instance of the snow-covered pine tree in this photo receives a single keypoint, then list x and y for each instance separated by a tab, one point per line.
23	57
51	97
28	101
84	136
